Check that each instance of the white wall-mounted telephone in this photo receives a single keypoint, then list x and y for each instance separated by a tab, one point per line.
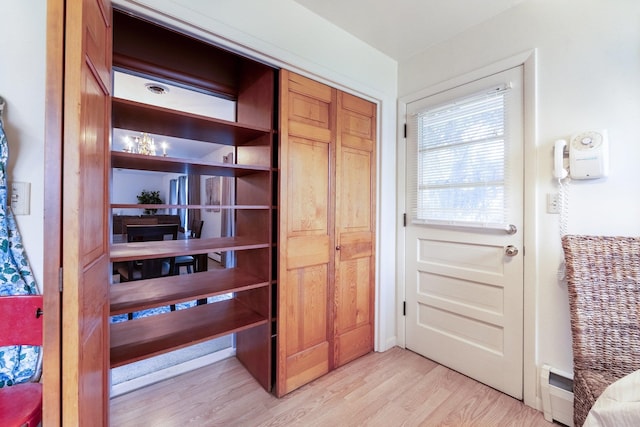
588	156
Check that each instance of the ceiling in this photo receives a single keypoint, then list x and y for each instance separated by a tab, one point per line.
403	28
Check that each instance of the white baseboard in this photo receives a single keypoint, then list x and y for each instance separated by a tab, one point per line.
170	372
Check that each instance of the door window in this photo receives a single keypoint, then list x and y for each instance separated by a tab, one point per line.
460	161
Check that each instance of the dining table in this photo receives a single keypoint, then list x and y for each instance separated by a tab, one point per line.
122	238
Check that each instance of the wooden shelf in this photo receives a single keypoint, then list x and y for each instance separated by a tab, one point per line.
165	206
169	248
140	117
124	160
139	339
146	294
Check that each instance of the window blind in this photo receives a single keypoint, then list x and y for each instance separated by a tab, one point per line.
460	154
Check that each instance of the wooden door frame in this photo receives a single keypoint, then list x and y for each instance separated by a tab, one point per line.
52	362
58	383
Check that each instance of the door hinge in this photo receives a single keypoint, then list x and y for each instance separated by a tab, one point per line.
405	130
404	219
60	280
404	308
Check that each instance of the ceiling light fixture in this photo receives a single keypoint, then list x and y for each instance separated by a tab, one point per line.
156	89
143	144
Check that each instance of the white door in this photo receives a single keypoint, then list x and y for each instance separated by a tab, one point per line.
464	255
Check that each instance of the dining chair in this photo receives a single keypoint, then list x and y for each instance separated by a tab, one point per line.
21	324
190	261
603	282
148	268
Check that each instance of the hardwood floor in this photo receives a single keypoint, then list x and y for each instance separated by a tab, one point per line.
394	388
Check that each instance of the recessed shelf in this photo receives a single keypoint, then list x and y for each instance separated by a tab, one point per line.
152	293
165	206
169	248
139	339
124	160
140	117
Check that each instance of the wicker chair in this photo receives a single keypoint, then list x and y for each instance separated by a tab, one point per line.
603	275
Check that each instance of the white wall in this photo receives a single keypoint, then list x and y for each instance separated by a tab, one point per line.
22	85
127	184
283	33
212	226
588	72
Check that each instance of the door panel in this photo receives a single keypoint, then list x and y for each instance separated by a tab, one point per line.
326	241
463	293
306	323
307	193
85	263
355	225
306	150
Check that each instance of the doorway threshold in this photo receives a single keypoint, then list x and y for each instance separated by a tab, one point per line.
138	382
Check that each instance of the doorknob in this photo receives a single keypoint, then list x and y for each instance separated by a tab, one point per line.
338	248
511	250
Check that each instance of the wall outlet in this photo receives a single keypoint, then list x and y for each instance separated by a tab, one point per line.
20	198
553	203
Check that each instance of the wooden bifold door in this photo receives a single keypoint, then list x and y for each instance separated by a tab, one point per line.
326	230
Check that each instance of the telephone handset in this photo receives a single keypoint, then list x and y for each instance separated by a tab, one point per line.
559	172
588	156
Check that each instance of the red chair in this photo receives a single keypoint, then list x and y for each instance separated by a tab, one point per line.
21	324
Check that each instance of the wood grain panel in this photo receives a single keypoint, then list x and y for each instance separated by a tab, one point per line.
307	188
351	103
328	143
356	245
309	111
306	228
305	307
308	251
97	41
353	344
307	365
54	108
353	307
352	299
355	190
85	263
91	155
310	132
302	85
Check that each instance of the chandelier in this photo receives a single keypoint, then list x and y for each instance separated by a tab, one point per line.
143	144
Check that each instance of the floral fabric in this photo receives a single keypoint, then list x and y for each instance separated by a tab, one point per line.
17	363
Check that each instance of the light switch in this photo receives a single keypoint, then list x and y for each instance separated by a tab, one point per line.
20	197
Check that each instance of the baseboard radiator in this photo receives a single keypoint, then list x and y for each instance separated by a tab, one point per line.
557	395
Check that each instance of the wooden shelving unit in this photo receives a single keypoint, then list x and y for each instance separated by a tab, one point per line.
149	336
168	248
148	118
171	164
249	312
152	293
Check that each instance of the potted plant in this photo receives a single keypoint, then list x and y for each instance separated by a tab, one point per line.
149	198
